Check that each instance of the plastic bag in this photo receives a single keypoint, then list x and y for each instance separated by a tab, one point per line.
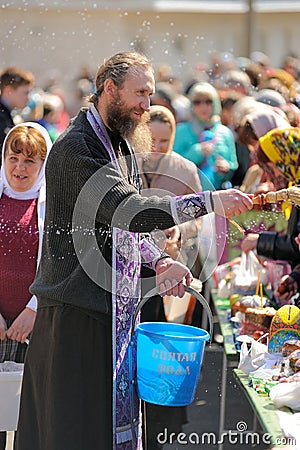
224	271
245	276
276	270
224	289
286	394
222	277
11	366
252	358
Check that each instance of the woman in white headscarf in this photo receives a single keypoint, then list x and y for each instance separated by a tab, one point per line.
22	211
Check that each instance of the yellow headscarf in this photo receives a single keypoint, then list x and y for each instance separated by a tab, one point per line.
282	147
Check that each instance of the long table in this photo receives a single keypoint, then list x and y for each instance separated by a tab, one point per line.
264	409
222	307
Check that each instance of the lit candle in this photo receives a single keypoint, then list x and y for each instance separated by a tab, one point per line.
261	295
258	282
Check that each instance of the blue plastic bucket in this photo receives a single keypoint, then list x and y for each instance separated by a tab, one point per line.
169	359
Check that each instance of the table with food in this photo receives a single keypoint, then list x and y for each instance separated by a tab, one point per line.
265	334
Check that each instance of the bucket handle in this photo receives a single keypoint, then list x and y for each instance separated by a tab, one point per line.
188	289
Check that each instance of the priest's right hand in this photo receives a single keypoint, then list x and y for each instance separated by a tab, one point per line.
231	202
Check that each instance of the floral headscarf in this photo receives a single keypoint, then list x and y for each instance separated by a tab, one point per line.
282	147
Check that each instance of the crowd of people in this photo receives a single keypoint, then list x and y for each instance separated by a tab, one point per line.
98	208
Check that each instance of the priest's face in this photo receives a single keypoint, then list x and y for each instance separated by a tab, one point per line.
128	112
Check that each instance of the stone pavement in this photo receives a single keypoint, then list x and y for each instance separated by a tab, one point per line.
203	413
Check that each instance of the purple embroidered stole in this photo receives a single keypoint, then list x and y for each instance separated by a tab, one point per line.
126	267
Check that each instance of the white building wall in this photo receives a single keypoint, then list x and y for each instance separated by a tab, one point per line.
44	39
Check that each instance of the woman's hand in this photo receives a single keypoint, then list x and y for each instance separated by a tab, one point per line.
250	242
231	202
22	325
207	148
221	165
286	289
2	329
297	239
171	277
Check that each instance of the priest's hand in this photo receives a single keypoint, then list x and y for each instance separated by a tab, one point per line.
171	276
231	202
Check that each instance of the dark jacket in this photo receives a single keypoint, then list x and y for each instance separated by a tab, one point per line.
85	197
296	275
6	122
243	157
276	246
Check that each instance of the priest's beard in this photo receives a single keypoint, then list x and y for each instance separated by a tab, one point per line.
136	132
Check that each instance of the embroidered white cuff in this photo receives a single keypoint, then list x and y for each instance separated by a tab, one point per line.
32	304
192	206
150	252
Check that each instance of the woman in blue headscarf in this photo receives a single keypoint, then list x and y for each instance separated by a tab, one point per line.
204	140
